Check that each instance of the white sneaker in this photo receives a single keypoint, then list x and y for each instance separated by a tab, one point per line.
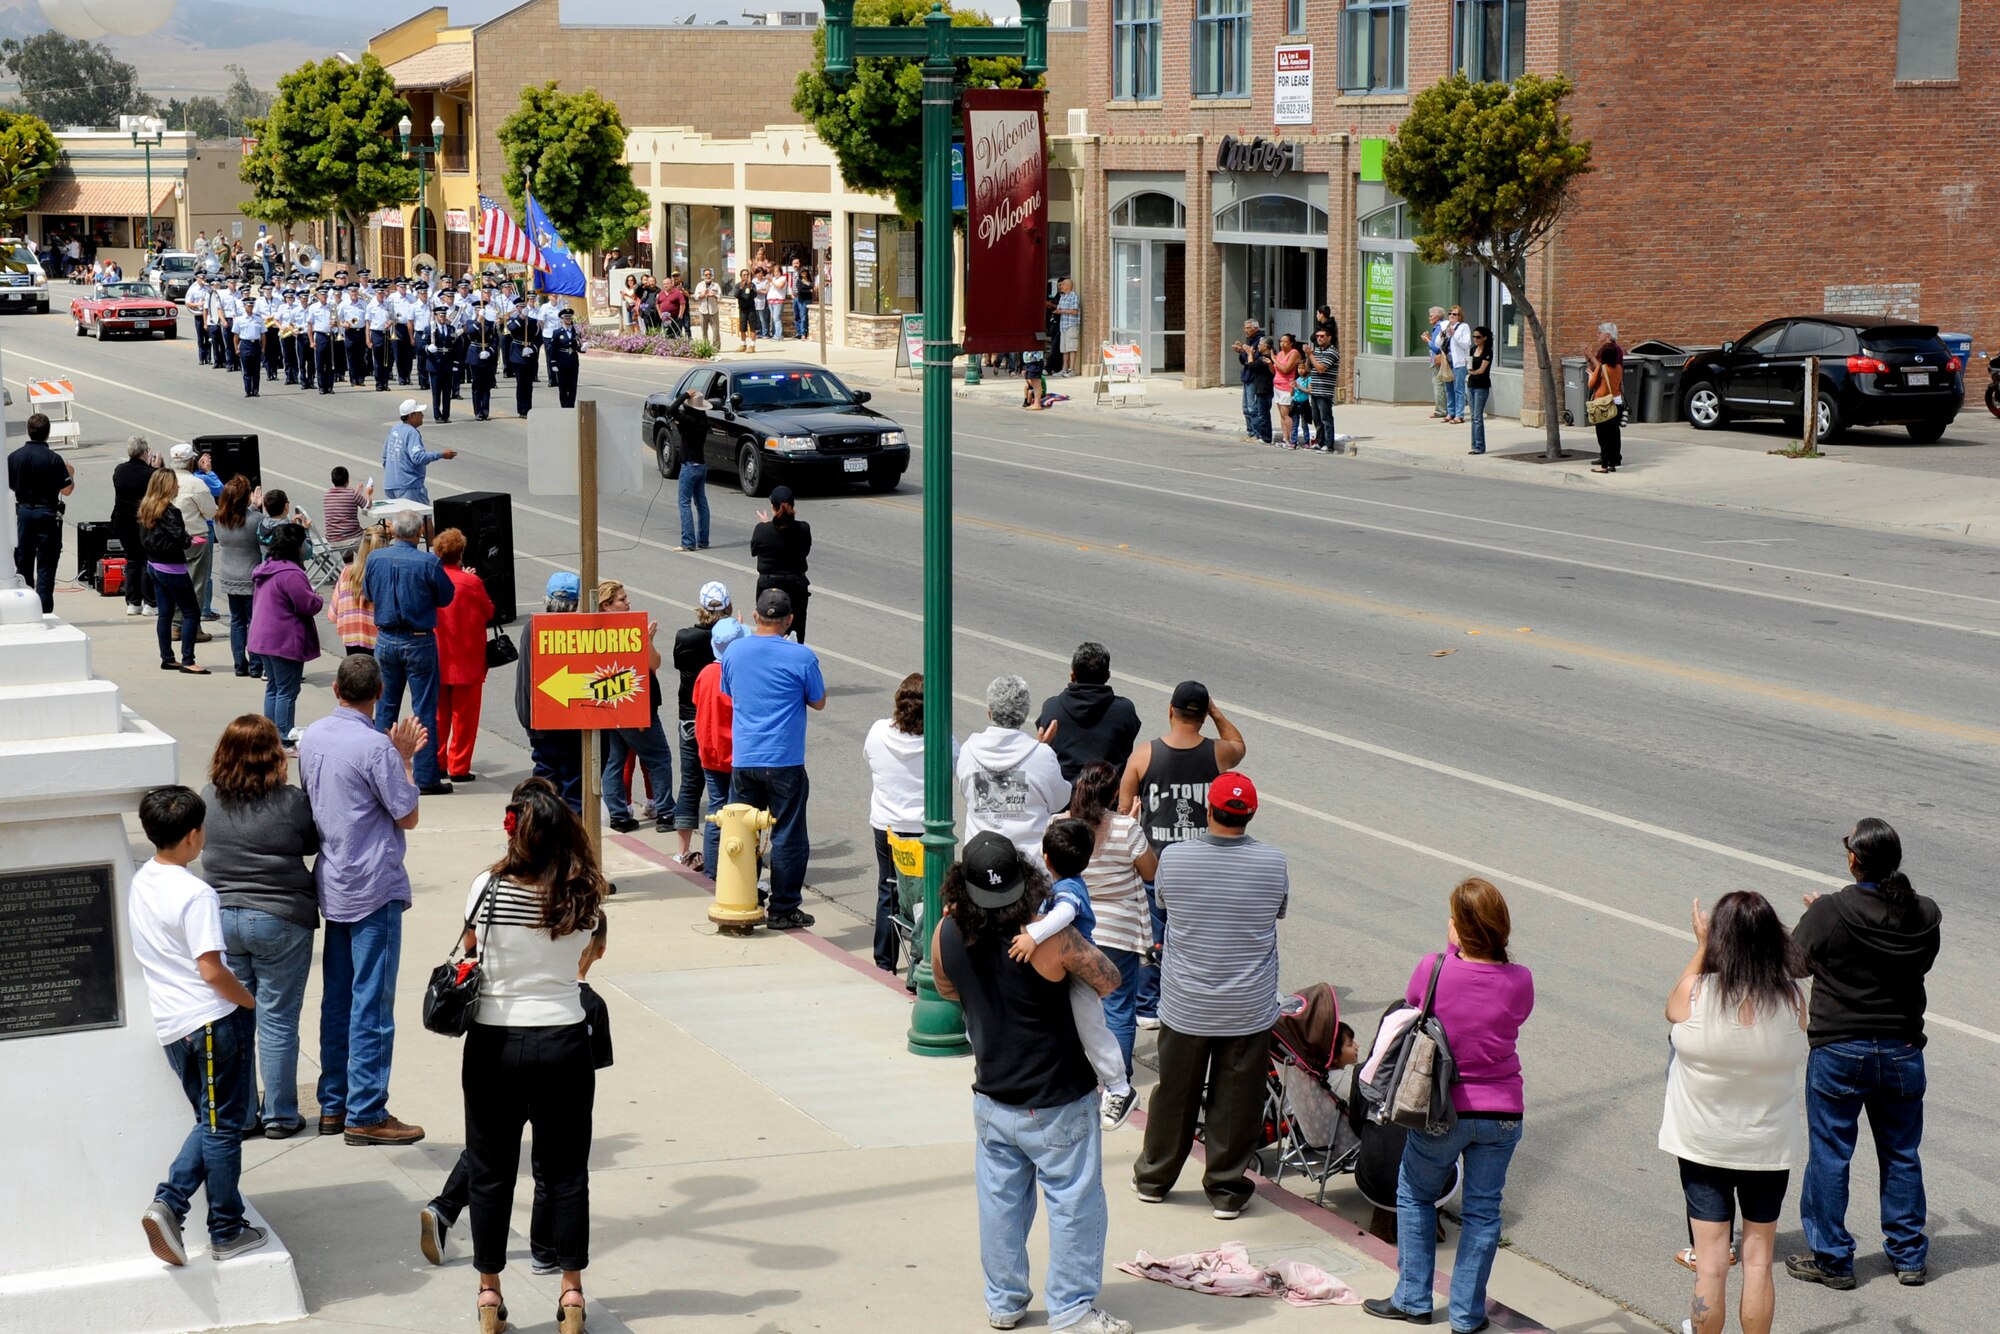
1101	1322
1225	1213
132	609
1115	1107
1004	1321
1149	1021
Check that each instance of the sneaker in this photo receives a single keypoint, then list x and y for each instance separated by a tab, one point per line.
441	788
1149	1021
132	609
1004	1321
386	1131
249	1239
1914	1278
544	1267
794	920
1101	1322
163	1234
1116	1107
1227	1212
1808	1269
1147	1195
431	1231
623	824
148	609
664	824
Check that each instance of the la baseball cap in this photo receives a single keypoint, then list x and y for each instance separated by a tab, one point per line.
993	873
714	596
774	604
1233	792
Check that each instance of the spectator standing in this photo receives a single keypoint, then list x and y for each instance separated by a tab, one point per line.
1012	782
673	307
1323	319
39	478
1482	999
129	481
1034	1105
694	650
714	725
894	749
407	586
1223	893
781	543
801	281
1287	365
461	651
364	799
777	300
557	755
258	835
692	424
1323	388
1253	354
1440	366
202	1017
1868	949
1606	363
238	552
771	681
1458	356
1069	325
1092	721
163	536
648	743
352	614
405	462
283	632
708	309
749	317
344	511
1120	868
1732	1105
1479	385
196	502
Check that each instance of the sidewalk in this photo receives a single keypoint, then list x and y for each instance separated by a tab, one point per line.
765	1148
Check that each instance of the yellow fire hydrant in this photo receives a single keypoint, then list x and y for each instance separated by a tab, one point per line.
736	910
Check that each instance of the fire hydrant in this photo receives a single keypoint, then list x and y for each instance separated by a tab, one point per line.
736	910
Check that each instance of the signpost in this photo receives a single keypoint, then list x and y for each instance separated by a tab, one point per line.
823	254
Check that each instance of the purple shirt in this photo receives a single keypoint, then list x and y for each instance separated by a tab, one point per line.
1483	1006
358	789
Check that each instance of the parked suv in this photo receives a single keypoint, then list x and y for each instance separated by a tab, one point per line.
1872	372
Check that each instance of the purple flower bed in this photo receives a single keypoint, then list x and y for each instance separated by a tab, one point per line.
649	345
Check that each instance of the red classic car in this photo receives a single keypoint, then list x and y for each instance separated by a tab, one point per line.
125	308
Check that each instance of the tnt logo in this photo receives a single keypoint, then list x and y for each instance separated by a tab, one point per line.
615	685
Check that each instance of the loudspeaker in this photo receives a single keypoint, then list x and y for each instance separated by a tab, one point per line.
487	520
94	541
232	454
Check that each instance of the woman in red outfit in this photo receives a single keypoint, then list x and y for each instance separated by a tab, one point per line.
461	650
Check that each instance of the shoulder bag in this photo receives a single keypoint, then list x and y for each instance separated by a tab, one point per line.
1602	407
500	649
453	991
1413	1082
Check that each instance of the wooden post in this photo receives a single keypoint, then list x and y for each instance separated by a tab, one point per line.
586	518
1809	402
826	277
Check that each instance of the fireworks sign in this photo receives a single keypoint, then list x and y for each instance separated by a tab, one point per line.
589	671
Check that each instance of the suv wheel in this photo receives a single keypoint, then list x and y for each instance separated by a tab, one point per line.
1704	407
1829	424
669	457
1927	433
750	469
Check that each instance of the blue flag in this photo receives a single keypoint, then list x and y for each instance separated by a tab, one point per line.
564	277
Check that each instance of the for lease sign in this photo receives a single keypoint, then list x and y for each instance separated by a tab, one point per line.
1292	95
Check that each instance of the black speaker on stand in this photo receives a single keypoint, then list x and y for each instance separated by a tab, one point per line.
487	520
94	541
232	454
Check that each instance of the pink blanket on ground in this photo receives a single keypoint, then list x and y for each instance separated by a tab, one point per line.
1228	1271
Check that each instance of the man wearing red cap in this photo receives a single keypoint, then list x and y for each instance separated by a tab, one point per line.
1223	893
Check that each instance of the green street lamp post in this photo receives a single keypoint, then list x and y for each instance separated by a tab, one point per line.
421	154
149	138
937	1026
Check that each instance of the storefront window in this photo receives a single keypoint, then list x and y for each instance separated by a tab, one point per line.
1429	285
1272	215
1222	48
1135	50
884	273
1378	303
1151	209
1059	251
1372	44
703	237
1490	39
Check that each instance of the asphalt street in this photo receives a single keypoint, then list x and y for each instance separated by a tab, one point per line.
1609	706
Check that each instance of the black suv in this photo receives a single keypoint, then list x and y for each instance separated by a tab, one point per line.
1872	372
781	421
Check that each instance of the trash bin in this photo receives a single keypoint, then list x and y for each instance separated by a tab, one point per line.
1640	374
1961	347
1576	390
1663	391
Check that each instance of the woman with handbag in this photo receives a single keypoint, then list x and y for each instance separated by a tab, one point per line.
1606	396
163	536
461	651
528	1057
1481	999
1286	365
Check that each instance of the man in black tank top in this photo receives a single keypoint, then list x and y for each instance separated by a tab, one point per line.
1035	1107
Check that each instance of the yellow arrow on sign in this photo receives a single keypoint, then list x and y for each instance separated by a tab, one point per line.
565	686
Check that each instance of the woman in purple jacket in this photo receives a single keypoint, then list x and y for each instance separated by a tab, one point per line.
1482	1000
282	630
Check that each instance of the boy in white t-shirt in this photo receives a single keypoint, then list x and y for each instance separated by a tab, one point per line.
203	1017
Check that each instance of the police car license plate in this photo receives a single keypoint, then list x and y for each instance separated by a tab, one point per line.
1916	377
855	465
142	324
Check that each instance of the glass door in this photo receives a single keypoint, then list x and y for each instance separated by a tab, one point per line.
1149	301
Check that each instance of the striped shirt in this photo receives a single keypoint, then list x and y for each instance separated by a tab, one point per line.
1219	968
1323	371
527	979
352	615
1117	894
340	515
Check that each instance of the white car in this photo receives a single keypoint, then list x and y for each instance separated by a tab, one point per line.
22	282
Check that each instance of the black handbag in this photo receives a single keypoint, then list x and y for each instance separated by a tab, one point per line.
500	649
453	991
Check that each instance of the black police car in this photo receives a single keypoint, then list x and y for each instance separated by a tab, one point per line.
781	421
1872	372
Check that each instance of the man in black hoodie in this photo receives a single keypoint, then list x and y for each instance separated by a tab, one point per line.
1092	723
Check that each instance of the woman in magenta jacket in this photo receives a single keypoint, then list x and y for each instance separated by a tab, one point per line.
282	629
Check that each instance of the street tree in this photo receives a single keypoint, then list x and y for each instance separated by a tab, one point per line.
1488	170
69	81
570	148
201	116
29	151
874	122
328	144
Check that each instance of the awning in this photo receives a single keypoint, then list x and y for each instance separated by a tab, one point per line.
104	196
445	65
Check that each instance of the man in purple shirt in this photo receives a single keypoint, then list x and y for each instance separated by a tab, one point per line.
364	796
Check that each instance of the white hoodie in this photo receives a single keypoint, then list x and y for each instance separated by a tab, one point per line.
1013	786
896	761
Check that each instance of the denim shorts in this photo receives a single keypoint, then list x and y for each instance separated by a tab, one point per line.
1715	1193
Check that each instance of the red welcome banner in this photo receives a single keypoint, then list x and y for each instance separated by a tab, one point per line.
1007	221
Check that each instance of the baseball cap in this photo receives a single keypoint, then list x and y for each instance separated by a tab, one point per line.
774	604
726	632
1233	792
714	596
782	495
563	584
411	405
182	453
1191	697
993	874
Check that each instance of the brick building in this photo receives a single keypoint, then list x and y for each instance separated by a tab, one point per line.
1793	156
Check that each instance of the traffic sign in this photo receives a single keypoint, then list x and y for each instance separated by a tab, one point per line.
589	671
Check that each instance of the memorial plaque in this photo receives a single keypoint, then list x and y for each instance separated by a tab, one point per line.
58	951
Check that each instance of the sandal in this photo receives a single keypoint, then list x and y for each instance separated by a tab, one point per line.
569	1319
693	861
492	1315
1684	1257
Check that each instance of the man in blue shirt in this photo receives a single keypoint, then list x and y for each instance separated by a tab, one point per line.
771	682
407	587
405	461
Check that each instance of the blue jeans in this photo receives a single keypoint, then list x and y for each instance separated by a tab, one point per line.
357	1015
1428	1160
1121	1007
411	659
38	534
281	691
888	945
558	757
1257	411
687	800
271	957
1455	400
1061	1151
711	834
801	320
649	743
218	1084
781	790
239	634
173	594
1147	1001
1885	1078
1478	414
694	501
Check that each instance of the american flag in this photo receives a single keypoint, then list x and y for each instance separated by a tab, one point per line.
500	238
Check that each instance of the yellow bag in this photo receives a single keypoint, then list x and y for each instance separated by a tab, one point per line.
1600	410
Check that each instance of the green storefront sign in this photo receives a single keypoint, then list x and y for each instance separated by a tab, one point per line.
1378	300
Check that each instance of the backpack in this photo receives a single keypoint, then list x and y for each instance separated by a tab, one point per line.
1414	1076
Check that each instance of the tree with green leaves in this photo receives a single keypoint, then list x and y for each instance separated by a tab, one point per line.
874	124
29	151
1488	170
329	144
67	81
207	117
570	147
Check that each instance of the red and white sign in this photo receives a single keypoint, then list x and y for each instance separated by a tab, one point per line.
457	220
1007	231
1292	92
588	670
